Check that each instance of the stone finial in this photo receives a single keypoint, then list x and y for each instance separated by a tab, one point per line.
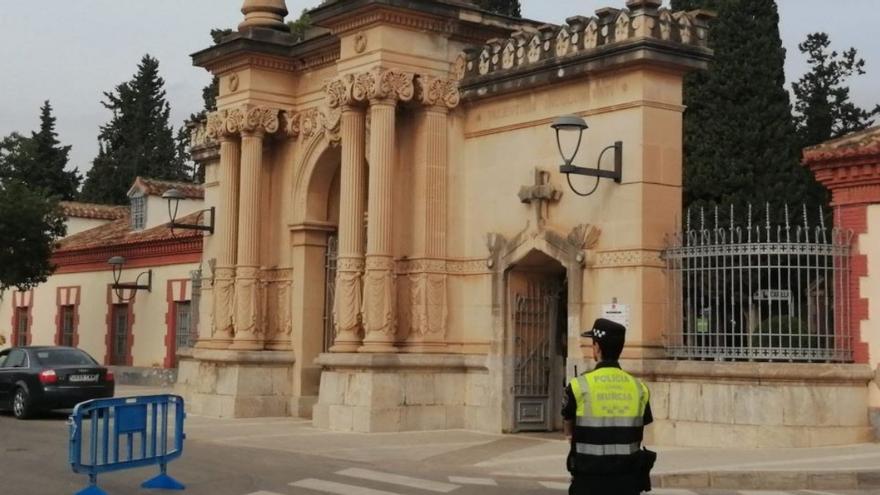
264	14
644	4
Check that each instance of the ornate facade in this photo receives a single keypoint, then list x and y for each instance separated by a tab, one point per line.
407	137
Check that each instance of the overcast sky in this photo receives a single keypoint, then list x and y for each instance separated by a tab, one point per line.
71	51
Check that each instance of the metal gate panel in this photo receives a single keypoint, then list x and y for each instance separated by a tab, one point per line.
534	318
330	257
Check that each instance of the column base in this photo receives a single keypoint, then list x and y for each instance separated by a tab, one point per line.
374	393
345	347
237	384
213	344
246	345
378	347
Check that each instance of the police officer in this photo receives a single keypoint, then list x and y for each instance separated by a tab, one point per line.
605	411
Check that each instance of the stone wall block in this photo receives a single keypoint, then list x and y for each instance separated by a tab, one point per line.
692	434
254	380
387	391
419	389
449	389
850	407
332	388
758	405
482	418
321	416
825	436
359	389
260	406
455	417
718	403
386	420
477	392
226	379
417	418
685	401
207	379
659	399
341	418
282	381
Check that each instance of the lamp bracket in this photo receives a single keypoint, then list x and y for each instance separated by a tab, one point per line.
190	226
616	174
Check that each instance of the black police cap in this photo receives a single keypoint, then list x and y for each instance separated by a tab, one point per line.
606	330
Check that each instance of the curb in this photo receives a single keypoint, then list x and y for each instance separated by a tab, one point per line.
773	480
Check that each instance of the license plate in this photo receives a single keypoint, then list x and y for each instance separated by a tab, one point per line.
82	378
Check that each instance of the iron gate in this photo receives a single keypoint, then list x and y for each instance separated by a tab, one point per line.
330	257
535	352
760	292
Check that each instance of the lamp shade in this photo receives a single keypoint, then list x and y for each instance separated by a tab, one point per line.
569	123
173	194
116	261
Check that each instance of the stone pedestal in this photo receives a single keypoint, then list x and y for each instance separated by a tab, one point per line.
755	405
237	384
404	392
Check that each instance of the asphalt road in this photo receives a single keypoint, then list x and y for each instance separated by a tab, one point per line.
33	460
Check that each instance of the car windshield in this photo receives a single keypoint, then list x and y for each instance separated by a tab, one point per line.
63	357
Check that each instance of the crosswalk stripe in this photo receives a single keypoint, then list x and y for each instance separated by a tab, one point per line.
337	488
555	485
462	480
396	479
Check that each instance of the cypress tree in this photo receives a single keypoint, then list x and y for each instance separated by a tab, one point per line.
823	107
40	161
138	140
740	141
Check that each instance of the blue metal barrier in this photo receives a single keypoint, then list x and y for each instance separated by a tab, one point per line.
142	423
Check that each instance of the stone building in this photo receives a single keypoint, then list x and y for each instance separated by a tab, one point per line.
396	248
77	305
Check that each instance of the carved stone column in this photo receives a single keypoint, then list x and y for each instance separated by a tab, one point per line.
350	263
224	129
383	88
428	281
256	124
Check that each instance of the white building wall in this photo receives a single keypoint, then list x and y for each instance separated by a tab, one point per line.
149	327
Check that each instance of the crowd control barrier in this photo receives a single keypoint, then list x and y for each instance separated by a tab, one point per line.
125	433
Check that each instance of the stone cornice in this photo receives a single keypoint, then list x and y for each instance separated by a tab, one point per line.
270	50
849	167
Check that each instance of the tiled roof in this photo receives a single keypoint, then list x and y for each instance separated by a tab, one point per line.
93	211
857	144
155	187
118	232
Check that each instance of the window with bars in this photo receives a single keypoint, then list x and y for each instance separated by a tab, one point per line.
138	212
68	317
183	319
22	318
119	339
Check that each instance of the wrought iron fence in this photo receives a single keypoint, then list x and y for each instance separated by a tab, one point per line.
759	292
330	258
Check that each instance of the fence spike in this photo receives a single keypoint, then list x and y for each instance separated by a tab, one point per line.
702	218
688	226
767	216
806	219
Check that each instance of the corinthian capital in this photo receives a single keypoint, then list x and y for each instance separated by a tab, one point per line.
379	84
434	91
261	120
339	91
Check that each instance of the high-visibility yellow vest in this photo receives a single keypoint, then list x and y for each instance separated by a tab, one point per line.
608	397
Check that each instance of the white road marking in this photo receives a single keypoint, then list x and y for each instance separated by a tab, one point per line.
337	488
671	491
396	479
261	492
461	480
555	485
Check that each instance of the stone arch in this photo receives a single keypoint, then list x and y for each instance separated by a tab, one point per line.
570	253
314	180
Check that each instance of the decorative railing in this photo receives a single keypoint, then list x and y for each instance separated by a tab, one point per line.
584	35
759	292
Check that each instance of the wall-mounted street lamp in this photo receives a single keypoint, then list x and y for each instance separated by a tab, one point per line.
119	288
173	196
569	124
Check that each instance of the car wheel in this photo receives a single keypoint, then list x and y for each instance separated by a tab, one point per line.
21	404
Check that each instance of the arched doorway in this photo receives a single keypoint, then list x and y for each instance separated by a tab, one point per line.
537	319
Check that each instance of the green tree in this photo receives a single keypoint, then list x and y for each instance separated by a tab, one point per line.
299	27
138	140
30	225
740	143
823	109
510	8
40	161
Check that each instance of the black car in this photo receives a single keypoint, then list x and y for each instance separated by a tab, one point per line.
36	379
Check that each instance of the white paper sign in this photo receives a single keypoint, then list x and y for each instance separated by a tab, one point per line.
618	313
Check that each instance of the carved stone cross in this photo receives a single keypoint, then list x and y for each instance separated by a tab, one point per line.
541	194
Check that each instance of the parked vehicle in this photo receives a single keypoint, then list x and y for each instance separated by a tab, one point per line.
34	379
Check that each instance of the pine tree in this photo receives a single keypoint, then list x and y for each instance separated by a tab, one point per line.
40	161
740	141
823	106
138	140
510	8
